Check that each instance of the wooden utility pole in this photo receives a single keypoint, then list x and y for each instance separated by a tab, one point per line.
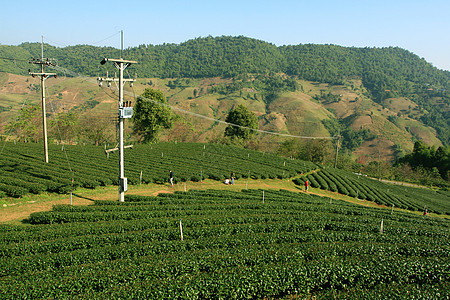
43	76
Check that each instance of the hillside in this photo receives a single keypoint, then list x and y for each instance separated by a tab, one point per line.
300	112
390	92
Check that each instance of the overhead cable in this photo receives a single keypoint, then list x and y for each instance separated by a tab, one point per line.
93	80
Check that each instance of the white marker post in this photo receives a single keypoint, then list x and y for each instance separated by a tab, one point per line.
181	230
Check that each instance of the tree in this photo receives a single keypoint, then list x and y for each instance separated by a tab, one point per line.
96	129
241	116
151	114
428	158
27	124
63	126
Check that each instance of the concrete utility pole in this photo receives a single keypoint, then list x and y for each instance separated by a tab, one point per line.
44	76
125	112
337	137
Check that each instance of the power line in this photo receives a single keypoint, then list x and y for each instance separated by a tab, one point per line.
60	137
14	59
111	36
85	78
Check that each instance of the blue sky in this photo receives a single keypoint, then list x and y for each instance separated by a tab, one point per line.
422	27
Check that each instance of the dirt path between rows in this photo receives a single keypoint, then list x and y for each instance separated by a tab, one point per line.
17	211
23	211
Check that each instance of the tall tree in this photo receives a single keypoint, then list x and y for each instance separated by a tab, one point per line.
96	129
151	114
241	117
27	125
63	127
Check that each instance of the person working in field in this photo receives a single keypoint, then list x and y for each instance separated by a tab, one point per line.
171	177
306	185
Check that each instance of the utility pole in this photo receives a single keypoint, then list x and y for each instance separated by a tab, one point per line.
125	112
43	76
338	136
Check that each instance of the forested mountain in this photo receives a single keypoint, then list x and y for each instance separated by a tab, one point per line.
385	72
381	69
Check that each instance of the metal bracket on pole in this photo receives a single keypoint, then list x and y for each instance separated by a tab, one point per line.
115	149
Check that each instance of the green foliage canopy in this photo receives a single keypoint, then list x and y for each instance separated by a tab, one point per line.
430	158
241	116
27	124
151	114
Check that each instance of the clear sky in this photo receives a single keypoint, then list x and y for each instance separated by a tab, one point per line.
422	27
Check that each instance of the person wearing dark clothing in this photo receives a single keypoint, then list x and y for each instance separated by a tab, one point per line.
171	177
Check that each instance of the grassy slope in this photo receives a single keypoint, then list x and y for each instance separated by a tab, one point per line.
295	113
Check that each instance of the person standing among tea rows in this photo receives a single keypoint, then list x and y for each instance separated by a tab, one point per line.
171	177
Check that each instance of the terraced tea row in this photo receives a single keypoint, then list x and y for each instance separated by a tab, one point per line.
360	187
22	170
235	245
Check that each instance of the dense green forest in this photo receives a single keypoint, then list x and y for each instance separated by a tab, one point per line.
385	72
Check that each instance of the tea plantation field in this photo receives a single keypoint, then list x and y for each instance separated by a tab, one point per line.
364	188
23	171
252	244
